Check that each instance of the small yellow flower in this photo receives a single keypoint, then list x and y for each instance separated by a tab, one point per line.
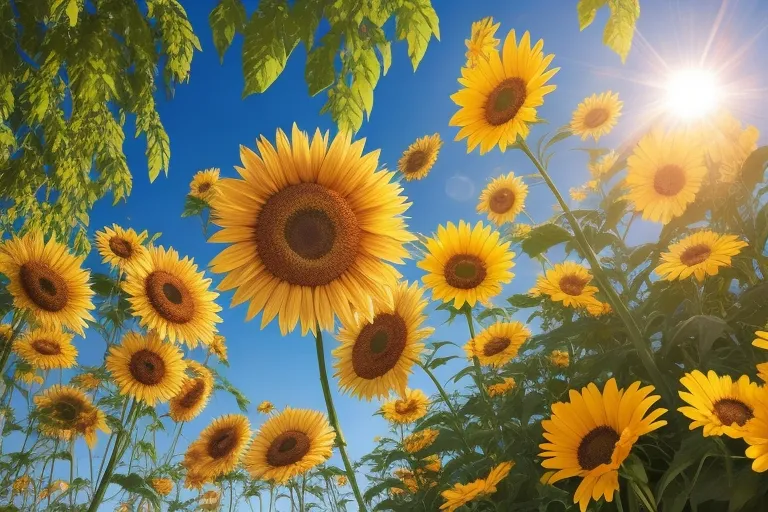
28	377
265	407
86	381
163	486
210	500
481	42
521	230
433	463
598	308
600	167
560	358
420	440
577	194
376	439
341	480
502	387
218	347
22	484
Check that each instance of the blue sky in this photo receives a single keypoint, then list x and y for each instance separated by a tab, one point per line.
207	120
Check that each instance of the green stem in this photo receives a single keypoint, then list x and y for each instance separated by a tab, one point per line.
231	495
444	396
334	420
173	444
635	334
271	497
71	474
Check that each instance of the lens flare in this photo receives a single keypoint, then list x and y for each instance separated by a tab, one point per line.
692	93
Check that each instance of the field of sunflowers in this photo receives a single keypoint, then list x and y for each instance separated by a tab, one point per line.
629	378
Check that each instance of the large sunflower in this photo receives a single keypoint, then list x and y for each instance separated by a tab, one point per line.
481	42
119	247
417	441
46	349
592	435
146	368
501	94
465	264
313	230
503	199
194	394
411	406
596	116
218	449
756	432
376	356
498	344
420	156
461	494
567	282
701	254
169	295
47	280
66	412
718	404
664	174
289	444
204	184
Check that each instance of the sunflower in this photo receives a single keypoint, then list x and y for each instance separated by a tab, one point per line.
409	481
596	116
406	409
600	167
204	184
598	308
163	486
417	441
717	403
466	264
728	145
481	42
218	347
313	231
6	334
376	356
46	349
501	94
498	344
461	494
700	254
756	432
170	296
522	230
22	484
66	412
664	174
194	394
146	368
592	435
433	463
503	198
119	247
341	480
47	280
265	407
502	387
289	444
210	500
86	381
219	447
28	377
560	358
567	282
419	158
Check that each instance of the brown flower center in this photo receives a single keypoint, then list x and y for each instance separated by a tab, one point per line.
596	117
405	406
121	247
147	367
204	187
43	286
464	271
307	235
596	447
169	297
288	448
695	254
730	411
669	180
495	346
573	285
222	443
502	201
67	410
46	347
193	395
415	161
379	345
505	101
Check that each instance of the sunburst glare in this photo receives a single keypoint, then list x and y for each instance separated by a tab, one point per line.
692	93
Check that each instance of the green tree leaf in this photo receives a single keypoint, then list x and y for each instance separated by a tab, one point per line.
416	22
620	28
269	41
226	19
586	10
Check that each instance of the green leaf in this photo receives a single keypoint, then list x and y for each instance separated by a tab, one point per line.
194	206
705	328
416	22
320	72
542	238
620	27
523	301
135	484
753	170
226	19
586	10
385	50
440	361
73	9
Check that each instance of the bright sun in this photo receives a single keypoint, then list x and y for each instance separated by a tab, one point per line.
692	93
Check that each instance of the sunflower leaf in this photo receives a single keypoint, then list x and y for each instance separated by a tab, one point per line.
543	237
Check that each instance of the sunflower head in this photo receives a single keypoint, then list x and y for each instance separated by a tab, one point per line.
210	500
22	484
503	199
560	358
727	144
204	184
419	440
700	254
568	283
289	444
596	116
408	408
194	394
498	344
163	486
66	412
46	349
218	449
120	247
341	480
218	347
461	494
6	334
28	376
420	156
86	381
598	308
601	166
265	407
481	42
502	388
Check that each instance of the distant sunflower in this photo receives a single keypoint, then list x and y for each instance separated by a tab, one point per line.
560	358
290	444
756	433
598	308
419	158
48	281
502	387
406	409
376	356
503	199
432	463
591	435
567	282
521	230
66	412
28	377
313	231
210	500
417	441
498	344
6	334
501	94
169	295
22	484
265	407
204	184
596	116
718	404
119	247
466	264
728	145
86	381
461	494
194	394
481	42
218	347
219	448
700	254
146	368
163	486
665	172
602	165
46	349
761	341
341	480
